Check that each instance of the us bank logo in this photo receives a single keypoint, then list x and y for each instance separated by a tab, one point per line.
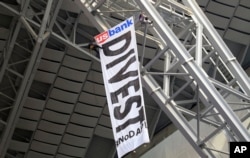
239	149
101	38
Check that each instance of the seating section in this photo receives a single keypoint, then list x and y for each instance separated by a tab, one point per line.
64	123
38	155
202	3
245	3
31	114
60	107
49	65
104	128
229	18
48	137
219	22
220	9
19	146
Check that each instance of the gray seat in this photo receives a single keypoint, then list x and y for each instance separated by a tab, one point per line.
220	9
71	150
55	117
237	36
241	25
46	137
79	130
46	77
30	114
59	106
43	147
75	140
19	146
95	76
245	3
105	121
218	21
33	154
51	127
84	120
75	53
76	63
68	85
64	96
104	132
92	99
49	66
243	13
88	109
62	156
26	124
52	54
95	88
72	74
35	104
229	2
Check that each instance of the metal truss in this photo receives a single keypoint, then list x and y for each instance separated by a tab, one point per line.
22	59
199	73
31	35
210	70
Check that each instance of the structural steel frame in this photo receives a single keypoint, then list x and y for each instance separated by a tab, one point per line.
40	38
225	118
184	55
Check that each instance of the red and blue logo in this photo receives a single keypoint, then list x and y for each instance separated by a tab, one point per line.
111	32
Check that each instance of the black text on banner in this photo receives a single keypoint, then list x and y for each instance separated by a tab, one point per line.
120	67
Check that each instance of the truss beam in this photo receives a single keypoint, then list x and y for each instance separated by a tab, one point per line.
170	109
193	67
187	57
198	75
220	46
40	38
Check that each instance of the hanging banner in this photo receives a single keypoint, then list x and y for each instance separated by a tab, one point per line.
120	68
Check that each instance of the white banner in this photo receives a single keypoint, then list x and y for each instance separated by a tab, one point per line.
120	68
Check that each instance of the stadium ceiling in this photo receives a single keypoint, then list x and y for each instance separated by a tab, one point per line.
52	97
